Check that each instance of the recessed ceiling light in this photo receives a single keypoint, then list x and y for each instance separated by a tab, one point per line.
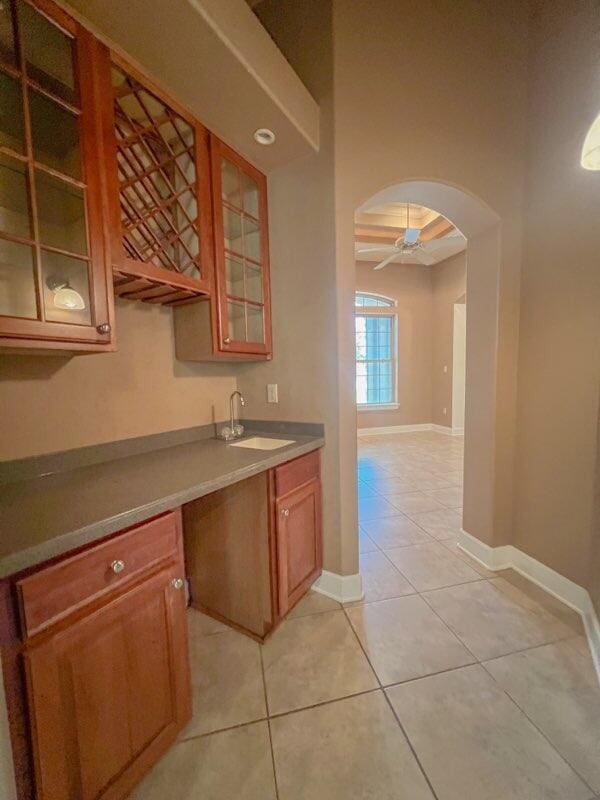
264	136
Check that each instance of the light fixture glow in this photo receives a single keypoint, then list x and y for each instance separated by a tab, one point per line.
65	297
590	155
264	136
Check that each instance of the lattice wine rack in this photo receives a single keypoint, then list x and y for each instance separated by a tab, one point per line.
157	171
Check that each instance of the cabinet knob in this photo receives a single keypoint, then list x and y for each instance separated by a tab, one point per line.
177	583
117	566
104	328
226	340
285	512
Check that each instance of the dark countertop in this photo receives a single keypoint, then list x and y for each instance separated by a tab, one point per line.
46	516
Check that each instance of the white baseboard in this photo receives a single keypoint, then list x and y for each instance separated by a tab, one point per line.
448	431
343	588
565	590
424	426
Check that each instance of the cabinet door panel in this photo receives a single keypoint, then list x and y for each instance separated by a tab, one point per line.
299	552
242	306
107	687
55	277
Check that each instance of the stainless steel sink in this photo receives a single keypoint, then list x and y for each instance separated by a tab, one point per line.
262	443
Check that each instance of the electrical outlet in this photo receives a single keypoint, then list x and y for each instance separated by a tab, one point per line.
445	368
444	410
272	393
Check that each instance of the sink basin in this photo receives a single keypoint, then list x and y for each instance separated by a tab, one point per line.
262	443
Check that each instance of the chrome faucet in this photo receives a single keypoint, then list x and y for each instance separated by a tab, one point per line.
236	430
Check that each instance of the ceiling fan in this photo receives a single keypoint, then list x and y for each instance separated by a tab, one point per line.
408	244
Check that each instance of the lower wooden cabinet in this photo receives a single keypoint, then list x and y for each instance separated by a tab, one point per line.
108	685
252	550
299	561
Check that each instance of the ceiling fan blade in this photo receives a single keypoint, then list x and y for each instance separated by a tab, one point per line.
383	248
433	244
387	260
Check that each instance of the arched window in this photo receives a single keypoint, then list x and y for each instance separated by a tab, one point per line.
590	155
368	300
376	357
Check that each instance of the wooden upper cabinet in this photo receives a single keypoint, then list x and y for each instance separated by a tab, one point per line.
236	323
159	177
242	253
55	277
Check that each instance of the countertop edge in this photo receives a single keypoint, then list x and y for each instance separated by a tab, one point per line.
60	545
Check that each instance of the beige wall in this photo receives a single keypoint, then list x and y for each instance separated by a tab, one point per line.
55	403
559	364
301	217
449	284
470	58
411	286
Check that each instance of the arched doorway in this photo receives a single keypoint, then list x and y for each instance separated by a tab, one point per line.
489	416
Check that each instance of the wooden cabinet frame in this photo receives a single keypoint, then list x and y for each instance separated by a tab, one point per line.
140	280
89	62
31	660
221	334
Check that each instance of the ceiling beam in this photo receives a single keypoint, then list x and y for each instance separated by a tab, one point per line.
382	240
436	229
377	236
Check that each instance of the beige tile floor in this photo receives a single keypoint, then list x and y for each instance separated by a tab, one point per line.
446	681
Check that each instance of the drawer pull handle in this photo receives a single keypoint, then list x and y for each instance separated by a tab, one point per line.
177	583
285	512
117	566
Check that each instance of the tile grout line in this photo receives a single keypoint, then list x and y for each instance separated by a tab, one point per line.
264	682
536	726
382	690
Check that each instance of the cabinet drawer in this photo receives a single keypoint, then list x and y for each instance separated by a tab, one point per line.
53	592
295	473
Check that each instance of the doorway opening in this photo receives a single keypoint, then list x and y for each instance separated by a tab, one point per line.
410	326
482	500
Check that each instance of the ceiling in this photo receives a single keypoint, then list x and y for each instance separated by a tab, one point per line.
185	45
378	227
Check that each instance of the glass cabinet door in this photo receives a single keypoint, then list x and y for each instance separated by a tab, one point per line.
241	232
53	270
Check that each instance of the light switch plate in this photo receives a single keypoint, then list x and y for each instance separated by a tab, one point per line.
272	393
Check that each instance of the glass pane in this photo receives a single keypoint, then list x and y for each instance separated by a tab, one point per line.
48	53
236	321
190	239
17	282
232	230
230	183
256	328
11	113
66	289
250	189
7	45
254	283
186	209
55	135
14	198
61	214
234	276
375	362
251	239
